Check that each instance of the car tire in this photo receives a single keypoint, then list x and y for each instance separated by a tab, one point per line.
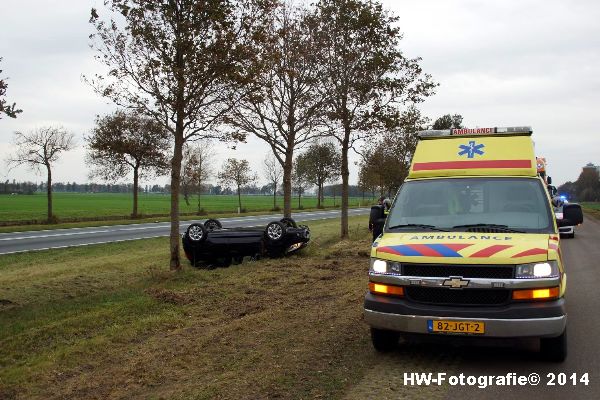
238	260
223	262
383	340
275	231
306	234
289	222
554	349
212	225
196	233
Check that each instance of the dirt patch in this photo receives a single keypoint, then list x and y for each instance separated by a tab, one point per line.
168	296
5	304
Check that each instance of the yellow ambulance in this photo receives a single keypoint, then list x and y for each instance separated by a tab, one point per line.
470	246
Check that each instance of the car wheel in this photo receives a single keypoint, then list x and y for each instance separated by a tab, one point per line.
289	222
384	341
554	349
223	262
196	233
238	260
212	225
306	234
275	231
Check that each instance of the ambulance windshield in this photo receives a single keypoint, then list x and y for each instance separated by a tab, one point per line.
472	205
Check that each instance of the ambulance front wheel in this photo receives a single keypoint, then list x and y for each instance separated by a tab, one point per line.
554	349
383	340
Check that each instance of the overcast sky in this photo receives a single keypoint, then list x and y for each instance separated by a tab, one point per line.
505	63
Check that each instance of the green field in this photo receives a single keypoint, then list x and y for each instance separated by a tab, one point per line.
591	208
71	206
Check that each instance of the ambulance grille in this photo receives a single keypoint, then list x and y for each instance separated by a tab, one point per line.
471	297
466	271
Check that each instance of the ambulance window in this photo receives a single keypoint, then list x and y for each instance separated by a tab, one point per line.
519	203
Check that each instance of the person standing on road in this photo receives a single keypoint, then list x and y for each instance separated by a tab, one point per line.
376	226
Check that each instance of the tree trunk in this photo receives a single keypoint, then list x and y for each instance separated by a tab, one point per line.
274	195
323	194
319	194
199	205
186	195
136	176
299	198
49	192
174	239
345	175
175	263
239	199
287	184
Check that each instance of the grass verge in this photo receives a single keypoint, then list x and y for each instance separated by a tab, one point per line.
110	321
592	209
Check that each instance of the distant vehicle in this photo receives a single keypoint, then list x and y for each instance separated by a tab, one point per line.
210	245
565	231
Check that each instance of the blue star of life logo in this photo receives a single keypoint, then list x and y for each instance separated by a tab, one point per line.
471	149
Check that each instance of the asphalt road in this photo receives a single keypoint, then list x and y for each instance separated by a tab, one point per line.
495	358
59	238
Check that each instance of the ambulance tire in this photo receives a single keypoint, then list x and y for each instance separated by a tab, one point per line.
554	349
384	341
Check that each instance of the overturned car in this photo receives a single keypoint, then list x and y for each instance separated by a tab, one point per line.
210	245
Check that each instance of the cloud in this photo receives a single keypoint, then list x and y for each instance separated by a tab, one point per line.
498	63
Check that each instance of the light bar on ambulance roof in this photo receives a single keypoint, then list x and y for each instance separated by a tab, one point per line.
511	130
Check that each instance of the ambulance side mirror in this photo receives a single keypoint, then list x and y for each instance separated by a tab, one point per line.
549	180
572	215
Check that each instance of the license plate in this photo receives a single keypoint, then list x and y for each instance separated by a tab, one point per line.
465	327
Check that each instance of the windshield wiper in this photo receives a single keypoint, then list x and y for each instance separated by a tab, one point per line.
430	227
504	228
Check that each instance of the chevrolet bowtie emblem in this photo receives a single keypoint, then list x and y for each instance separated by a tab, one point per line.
456	282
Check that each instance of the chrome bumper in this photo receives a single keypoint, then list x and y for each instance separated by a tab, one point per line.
501	328
566	229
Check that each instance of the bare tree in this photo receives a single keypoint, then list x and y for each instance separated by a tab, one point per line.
273	173
366	74
386	161
288	105
367	180
321	164
299	178
448	121
122	142
198	162
41	148
236	173
10	110
183	62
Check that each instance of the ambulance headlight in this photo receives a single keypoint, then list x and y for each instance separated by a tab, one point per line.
385	266
547	269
